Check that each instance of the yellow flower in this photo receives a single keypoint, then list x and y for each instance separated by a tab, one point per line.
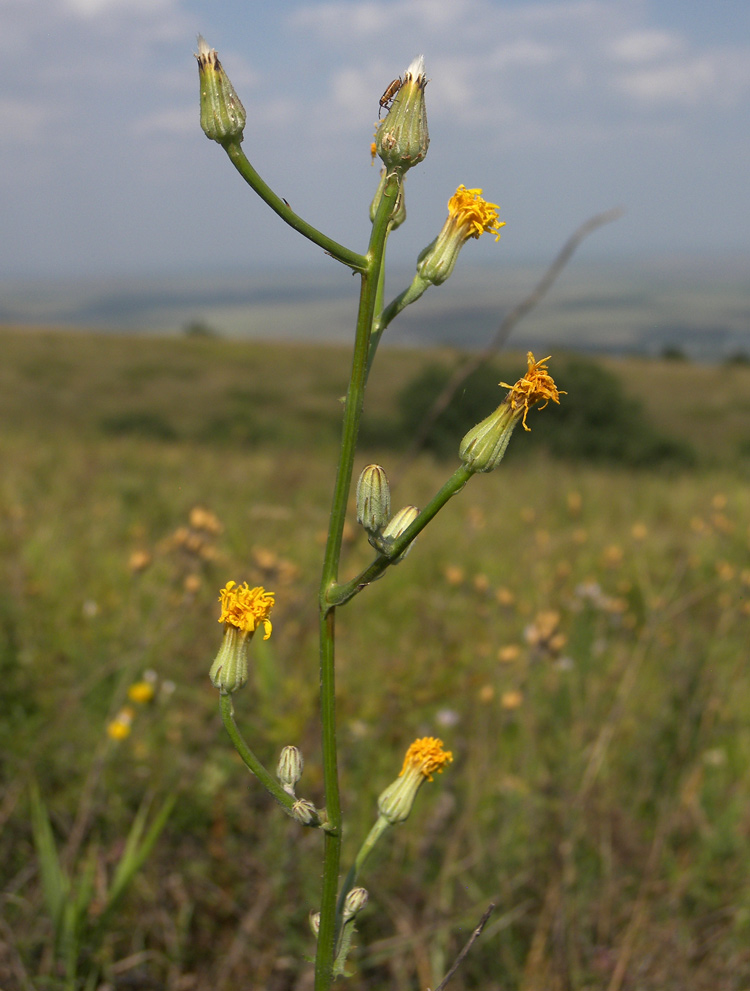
471	216
246	608
483	447
424	758
468	216
119	728
427	756
243	610
141	691
536	386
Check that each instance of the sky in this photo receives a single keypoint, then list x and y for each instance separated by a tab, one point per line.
557	109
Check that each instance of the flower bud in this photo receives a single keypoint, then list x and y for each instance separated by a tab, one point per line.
289	769
373	499
354	903
398	216
397	525
314	918
222	114
483	447
403	139
305	812
423	758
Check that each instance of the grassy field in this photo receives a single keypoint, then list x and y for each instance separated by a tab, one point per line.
576	634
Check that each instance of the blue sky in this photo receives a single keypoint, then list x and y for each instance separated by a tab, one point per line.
558	109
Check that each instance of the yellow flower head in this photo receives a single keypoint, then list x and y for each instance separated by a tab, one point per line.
119	728
141	691
473	216
246	608
424	758
536	386
468	216
243	610
427	756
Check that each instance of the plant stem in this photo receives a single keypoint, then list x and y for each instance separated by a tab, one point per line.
248	757
338	251
327	935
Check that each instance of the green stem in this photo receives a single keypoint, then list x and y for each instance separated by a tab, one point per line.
381	824
248	757
327	935
338	251
410	295
337	595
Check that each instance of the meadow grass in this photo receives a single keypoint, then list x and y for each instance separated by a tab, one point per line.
576	635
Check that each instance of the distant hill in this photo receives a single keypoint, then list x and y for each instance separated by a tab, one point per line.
697	308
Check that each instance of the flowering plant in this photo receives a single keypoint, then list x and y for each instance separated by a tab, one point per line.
401	142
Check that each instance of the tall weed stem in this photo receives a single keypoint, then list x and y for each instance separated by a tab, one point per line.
328	936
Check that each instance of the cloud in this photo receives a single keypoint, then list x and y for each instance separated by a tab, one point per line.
646	46
709	79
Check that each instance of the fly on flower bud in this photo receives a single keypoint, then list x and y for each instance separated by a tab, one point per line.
373	499
289	769
403	139
222	114
399	524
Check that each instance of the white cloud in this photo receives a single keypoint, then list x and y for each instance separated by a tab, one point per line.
717	78
646	46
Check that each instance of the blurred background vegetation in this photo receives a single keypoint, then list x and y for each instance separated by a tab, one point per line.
574	626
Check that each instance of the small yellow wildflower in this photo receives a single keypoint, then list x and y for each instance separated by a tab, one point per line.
243	610
484	446
141	691
468	216
536	386
246	608
471	216
119	728
424	758
427	756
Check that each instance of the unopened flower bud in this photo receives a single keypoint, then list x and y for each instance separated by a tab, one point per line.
289	770
305	812
222	114
314	919
423	758
397	525
483	447
398	216
354	903
373	498
403	139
